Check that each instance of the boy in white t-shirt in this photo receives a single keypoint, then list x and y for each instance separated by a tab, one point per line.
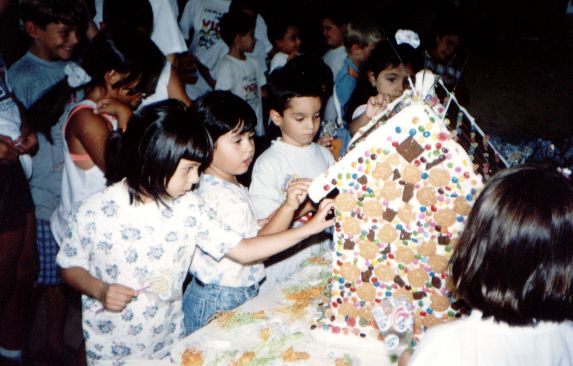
295	98
239	72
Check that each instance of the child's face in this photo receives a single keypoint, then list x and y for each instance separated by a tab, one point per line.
186	174
392	81
360	54
232	155
56	42
247	42
290	43
300	121
332	33
447	46
127	94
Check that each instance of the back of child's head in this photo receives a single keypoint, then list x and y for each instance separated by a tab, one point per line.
222	112
514	259
131	54
305	75
362	31
235	23
157	137
131	15
250	7
44	12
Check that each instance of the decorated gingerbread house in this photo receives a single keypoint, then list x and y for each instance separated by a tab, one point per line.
404	190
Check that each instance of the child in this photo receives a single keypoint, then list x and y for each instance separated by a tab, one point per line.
119	69
55	28
225	284
382	79
238	72
333	24
285	37
295	101
128	247
513	265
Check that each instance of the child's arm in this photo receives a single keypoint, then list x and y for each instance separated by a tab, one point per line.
175	88
283	216
8	150
253	249
115	108
114	297
375	105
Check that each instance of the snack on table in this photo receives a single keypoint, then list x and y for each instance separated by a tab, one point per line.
244	359
290	355
192	357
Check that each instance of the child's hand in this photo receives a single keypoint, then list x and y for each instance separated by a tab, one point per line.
326	141
320	221
115	108
8	150
376	104
115	297
27	142
297	192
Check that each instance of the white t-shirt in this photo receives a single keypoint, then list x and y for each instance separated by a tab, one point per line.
161	89
279	60
477	342
334	58
243	78
138	245
233	204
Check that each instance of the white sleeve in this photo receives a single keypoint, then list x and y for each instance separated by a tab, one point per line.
224	76
360	110
265	189
166	33
186	20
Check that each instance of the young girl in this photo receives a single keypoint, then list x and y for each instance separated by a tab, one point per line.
383	79
128	247
117	70
513	265
221	285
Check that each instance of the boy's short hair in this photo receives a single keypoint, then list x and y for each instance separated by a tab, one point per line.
157	138
128	14
222	111
235	23
305	75
514	259
362	31
44	12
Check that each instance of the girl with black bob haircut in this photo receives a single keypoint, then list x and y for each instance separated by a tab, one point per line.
128	248
514	266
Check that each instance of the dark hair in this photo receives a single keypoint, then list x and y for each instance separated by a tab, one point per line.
235	23
156	139
514	259
222	111
337	13
385	55
249	6
130	53
131	15
44	12
305	75
278	28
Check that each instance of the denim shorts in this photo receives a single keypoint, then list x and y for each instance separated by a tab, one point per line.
202	301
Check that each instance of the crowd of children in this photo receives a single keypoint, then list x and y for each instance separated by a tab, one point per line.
123	158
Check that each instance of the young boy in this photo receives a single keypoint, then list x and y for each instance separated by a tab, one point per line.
284	34
223	285
55	28
295	101
237	71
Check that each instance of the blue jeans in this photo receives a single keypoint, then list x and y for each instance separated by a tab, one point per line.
202	300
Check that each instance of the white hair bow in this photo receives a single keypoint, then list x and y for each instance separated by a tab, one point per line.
76	75
407	36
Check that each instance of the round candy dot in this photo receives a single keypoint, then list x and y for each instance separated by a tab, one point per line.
426	134
412	132
454	179
398	129
425	175
429	310
423	208
469	197
460	219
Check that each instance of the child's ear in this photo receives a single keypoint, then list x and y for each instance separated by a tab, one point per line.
111	77
32	29
276	117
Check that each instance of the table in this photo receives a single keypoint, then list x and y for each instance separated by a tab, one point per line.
274	326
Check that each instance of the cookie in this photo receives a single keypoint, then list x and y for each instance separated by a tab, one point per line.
384	273
427	248
411	174
349	271
444	217
345	202
346	309
439	177
387	234
426	196
439	302
391	191
461	206
438	263
351	225
366	292
406	213
372	208
382	171
417	277
365	313
368	249
393	159
402	293
404	255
